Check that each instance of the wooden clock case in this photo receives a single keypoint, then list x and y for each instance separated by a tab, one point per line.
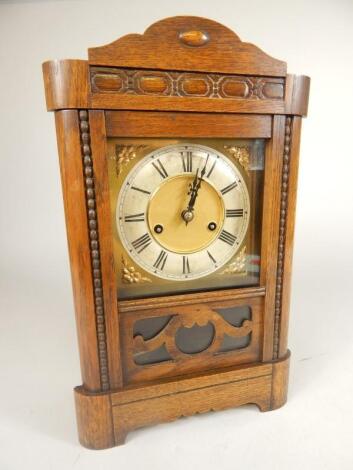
189	77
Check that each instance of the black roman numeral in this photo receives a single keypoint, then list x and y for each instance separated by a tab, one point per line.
186	266
141	190
211	169
160	168
187	161
160	261
229	188
211	257
227	237
234	212
135	218
141	243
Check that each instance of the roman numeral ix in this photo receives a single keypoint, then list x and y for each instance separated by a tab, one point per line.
141	243
135	218
227	237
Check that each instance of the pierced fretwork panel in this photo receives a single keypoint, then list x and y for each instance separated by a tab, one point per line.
235	316
185	338
148	328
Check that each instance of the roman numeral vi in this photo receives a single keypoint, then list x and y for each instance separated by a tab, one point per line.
186	266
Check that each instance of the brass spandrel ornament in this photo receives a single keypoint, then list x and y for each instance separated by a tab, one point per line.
124	154
238	266
130	275
240	154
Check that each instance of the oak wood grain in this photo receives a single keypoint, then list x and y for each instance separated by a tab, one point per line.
224	52
66	84
188	104
99	152
135	406
280	376
67	87
270	218
297	95
187	299
94	419
212	398
160	387
290	225
69	146
183	363
191	77
166	124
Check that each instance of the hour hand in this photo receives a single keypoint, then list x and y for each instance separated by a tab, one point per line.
188	214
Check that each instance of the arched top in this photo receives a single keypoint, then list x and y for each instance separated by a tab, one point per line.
187	43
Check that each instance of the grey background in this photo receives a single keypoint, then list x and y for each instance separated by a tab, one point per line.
39	358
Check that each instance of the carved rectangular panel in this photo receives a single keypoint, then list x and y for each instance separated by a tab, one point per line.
179	339
185	84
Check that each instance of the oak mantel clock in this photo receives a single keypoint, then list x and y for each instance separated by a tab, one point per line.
179	154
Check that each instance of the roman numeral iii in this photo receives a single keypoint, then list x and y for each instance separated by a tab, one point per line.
141	243
234	212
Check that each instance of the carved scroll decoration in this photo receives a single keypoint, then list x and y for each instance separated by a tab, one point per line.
201	316
282	234
94	247
185	84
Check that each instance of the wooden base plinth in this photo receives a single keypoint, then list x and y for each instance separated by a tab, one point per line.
104	419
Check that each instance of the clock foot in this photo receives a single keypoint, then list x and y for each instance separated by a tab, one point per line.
94	419
104	419
280	375
279	387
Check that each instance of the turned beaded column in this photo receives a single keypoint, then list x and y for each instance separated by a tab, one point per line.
282	234
94	248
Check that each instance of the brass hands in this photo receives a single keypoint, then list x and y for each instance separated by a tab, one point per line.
194	187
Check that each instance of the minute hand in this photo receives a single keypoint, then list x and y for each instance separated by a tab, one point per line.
196	186
193	191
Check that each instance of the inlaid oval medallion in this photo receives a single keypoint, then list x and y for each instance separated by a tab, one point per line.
108	82
150	84
194	38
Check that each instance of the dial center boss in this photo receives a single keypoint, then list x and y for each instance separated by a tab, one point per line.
167	215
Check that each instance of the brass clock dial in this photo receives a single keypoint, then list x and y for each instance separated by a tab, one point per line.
183	211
